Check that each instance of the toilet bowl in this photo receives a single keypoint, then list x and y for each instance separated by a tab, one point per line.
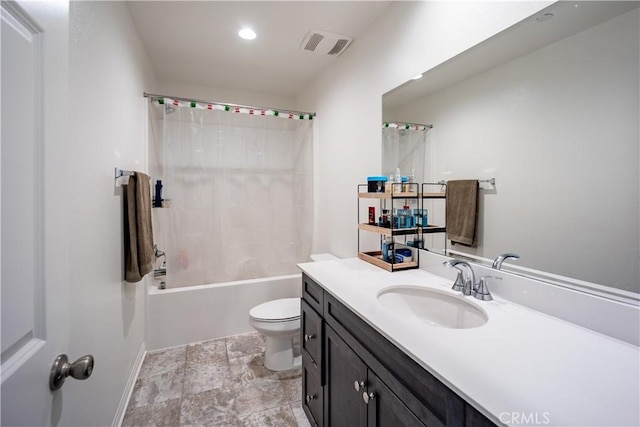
279	322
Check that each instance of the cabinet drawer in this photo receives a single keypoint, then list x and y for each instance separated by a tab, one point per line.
311	336
312	393
312	293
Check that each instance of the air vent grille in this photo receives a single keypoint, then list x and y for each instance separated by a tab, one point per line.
325	42
313	42
340	44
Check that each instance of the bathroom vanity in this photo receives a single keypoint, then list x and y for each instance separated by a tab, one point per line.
367	364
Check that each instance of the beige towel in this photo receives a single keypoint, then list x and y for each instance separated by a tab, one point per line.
138	231
462	207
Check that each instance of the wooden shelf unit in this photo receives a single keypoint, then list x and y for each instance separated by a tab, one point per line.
419	195
375	258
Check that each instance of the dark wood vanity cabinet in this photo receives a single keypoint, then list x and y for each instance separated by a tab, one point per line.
354	395
353	376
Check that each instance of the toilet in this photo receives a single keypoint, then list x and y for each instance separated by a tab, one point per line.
279	321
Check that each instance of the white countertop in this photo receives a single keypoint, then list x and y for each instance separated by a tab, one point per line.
522	367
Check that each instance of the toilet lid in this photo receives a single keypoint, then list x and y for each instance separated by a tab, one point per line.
277	310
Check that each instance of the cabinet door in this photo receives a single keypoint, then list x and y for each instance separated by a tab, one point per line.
311	331
344	405
384	408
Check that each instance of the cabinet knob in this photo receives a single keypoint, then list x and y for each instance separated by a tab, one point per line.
308	337
367	397
359	385
310	397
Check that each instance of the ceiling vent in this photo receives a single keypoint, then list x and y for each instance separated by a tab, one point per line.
325	43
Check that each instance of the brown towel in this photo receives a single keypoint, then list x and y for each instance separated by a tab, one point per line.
138	231
462	207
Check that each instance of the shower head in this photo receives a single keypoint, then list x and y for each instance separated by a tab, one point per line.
168	109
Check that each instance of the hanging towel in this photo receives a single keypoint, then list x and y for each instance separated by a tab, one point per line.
138	231
462	208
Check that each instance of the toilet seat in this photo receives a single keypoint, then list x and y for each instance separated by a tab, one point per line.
279	310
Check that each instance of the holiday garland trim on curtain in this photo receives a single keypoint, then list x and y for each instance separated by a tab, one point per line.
233	108
408	126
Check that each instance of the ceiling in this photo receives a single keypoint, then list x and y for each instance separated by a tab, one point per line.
196	42
566	18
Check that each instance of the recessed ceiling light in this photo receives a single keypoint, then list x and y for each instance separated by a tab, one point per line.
247	34
418	77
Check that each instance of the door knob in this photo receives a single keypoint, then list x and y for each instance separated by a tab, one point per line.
308	337
310	397
367	396
358	385
81	369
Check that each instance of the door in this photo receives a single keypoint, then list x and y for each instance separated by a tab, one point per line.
33	175
346	381
384	408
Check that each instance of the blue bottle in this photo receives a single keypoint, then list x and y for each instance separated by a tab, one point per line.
157	201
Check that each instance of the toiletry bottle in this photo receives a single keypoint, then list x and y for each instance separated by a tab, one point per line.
397	180
408	217
387	249
157	201
372	215
385	218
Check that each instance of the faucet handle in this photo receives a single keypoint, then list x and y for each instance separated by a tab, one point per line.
481	292
458	285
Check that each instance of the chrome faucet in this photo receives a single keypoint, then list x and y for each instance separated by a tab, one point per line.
159	272
158	253
497	263
465	285
481	291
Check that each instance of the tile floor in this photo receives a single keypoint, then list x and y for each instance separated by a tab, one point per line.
222	382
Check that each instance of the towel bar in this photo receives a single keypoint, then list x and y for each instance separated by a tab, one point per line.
491	181
119	172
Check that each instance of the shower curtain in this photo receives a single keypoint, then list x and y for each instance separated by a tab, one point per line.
404	149
238	193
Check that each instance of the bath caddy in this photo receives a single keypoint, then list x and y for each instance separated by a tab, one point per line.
375	258
391	231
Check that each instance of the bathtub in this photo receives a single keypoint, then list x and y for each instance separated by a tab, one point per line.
197	313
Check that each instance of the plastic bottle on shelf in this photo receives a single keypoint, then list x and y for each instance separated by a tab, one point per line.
412	179
397	186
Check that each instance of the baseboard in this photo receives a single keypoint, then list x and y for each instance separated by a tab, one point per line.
128	390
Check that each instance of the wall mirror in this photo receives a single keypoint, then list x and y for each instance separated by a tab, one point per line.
549	108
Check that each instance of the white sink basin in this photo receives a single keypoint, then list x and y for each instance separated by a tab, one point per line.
435	307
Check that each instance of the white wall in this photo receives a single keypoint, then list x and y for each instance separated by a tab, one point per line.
409	38
210	93
109	71
558	129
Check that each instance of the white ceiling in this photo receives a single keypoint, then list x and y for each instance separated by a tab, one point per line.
196	42
527	36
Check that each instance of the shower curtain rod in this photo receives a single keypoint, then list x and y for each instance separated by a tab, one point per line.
409	126
297	113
